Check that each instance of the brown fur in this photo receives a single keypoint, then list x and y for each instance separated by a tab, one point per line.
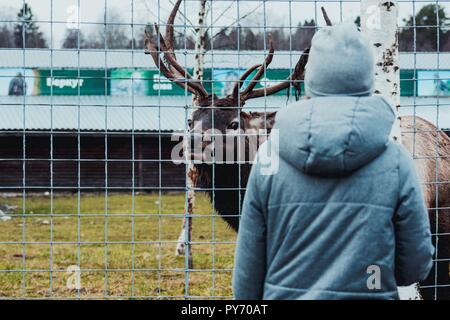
430	149
419	136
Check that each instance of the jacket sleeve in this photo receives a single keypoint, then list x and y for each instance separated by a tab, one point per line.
414	249
250	258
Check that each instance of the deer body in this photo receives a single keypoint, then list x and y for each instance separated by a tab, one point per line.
226	176
431	148
421	138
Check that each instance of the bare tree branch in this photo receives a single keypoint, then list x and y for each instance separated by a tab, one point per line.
241	18
191	25
221	15
184	17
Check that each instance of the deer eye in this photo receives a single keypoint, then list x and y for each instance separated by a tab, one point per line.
234	125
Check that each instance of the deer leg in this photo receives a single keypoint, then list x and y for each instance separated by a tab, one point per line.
189	234
184	242
181	240
411	292
438	281
443	248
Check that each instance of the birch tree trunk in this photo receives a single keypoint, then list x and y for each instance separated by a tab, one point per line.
200	43
200	48
379	23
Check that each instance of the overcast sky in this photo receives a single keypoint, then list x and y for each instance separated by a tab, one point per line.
272	13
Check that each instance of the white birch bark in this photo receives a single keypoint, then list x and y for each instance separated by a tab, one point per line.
200	48
200	43
379	23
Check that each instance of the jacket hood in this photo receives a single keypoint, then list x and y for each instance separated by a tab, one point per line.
334	136
340	62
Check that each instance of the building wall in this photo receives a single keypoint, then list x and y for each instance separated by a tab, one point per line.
90	161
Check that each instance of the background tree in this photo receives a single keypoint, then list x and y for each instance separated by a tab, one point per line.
249	40
26	31
74	39
139	36
117	36
110	33
301	39
280	39
6	37
222	39
430	20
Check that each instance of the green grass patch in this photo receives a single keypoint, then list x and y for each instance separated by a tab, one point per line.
123	244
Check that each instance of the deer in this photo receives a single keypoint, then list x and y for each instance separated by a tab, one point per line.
225	182
430	148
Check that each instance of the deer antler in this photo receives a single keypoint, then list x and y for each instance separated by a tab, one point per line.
325	16
173	70
242	79
242	96
294	79
250	92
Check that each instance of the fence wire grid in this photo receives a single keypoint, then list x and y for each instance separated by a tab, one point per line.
92	204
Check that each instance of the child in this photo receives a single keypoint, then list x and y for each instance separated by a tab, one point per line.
344	215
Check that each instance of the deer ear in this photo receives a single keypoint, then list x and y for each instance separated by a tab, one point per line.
204	102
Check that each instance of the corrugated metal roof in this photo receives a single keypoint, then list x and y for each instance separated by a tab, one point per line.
96	113
45	58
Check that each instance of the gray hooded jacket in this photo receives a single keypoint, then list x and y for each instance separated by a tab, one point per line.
343	216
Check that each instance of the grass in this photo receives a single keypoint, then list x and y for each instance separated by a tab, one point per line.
80	234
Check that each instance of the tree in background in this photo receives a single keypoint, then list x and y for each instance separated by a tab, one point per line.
74	39
427	22
280	39
250	41
6	37
139	38
109	35
26	31
301	39
188	42
180	40
223	39
118	36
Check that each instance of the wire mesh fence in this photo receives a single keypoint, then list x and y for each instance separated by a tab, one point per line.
92	203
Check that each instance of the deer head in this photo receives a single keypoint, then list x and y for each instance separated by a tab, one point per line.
221	114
